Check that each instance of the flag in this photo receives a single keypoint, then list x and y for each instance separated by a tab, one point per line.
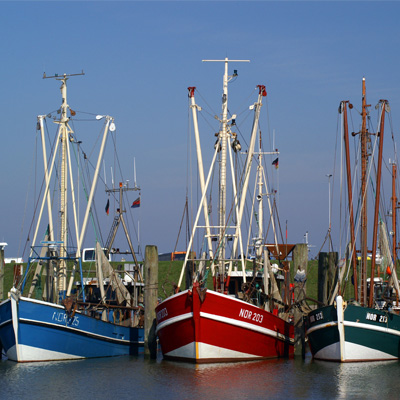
108	206
276	163
136	203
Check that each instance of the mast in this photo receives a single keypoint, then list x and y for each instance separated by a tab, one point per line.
394	208
120	219
394	229
350	197
224	136
200	166
64	133
377	197
364	217
260	238
221	146
249	159
260	183
63	190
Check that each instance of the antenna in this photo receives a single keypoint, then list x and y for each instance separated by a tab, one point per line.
134	172
63	76
226	60
104	168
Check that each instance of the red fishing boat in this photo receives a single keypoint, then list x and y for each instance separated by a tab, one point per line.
244	317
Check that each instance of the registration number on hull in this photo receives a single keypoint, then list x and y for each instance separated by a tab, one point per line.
316	317
376	318
247	314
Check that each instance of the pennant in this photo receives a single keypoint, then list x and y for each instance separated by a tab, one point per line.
108	207
276	163
136	203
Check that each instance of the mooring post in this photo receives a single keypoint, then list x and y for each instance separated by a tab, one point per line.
150	301
2	270
300	263
326	275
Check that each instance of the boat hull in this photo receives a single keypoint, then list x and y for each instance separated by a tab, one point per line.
212	327
33	330
351	333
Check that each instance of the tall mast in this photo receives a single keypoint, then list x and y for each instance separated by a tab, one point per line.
63	138
222	172
63	189
224	140
350	197
394	208
364	217
260	238
377	197
394	227
200	167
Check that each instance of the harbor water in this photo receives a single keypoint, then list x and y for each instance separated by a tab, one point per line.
134	377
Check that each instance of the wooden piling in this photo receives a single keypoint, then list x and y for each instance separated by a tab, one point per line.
300	259
150	301
327	263
2	270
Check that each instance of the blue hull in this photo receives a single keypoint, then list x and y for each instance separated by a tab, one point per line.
33	330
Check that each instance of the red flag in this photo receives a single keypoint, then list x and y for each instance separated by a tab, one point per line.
136	203
108	206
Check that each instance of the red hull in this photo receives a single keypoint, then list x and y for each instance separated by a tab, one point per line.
220	328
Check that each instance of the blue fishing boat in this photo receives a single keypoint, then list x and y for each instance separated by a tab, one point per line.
53	312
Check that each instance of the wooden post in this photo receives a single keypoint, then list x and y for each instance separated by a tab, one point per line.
322	277
326	275
2	270
300	259
150	301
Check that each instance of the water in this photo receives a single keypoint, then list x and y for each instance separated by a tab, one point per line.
139	378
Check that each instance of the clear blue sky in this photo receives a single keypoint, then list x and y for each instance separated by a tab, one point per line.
139	59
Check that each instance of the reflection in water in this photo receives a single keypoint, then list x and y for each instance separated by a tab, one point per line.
378	378
137	377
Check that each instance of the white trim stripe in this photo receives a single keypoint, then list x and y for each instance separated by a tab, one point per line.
122	341
5	322
372	327
321	326
173	320
358	325
246	325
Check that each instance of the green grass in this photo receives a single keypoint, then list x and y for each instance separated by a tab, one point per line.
168	276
